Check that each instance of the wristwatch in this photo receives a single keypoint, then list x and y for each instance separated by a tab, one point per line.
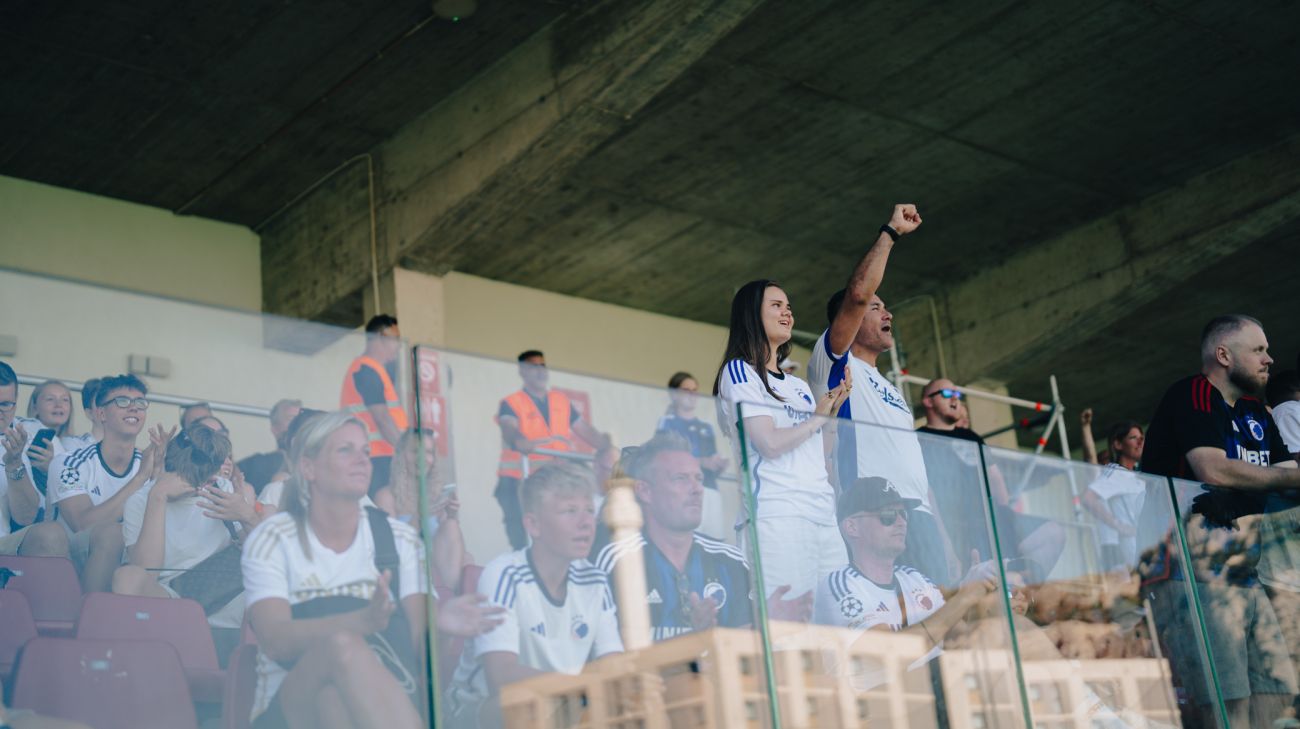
16	474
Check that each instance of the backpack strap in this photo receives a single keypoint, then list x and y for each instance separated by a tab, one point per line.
385	548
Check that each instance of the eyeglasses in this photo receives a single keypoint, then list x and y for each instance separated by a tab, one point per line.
946	394
123	401
8	405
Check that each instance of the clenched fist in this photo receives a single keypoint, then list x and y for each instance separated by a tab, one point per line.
905	218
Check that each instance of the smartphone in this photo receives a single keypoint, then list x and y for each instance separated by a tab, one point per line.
43	438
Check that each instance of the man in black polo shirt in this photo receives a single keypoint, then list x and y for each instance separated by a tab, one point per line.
1213	428
957	478
693	582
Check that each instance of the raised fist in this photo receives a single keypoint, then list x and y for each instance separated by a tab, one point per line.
905	218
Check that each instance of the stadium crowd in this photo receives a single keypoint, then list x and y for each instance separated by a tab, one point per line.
317	549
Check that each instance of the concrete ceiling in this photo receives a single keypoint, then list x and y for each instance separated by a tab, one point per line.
775	152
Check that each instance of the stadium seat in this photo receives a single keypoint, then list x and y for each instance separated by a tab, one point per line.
241	683
106	684
16	628
52	589
179	622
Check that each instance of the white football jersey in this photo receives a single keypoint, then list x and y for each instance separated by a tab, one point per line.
794	483
846	598
892	451
1124	493
83	471
275	566
550	636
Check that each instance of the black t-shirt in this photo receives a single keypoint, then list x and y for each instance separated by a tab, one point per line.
963	433
957	478
1193	414
371	386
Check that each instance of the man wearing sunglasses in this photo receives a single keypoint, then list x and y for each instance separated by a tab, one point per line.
89	487
874	592
958	480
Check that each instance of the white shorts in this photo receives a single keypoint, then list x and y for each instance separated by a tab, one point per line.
798	553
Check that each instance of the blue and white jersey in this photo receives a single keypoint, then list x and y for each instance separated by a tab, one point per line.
84	471
848	599
892	451
795	482
548	635
714	570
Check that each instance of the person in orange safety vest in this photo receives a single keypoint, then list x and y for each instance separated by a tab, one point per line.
371	395
534	417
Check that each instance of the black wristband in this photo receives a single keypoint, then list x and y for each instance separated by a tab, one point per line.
888	230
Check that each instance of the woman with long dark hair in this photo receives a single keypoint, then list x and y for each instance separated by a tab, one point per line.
783	449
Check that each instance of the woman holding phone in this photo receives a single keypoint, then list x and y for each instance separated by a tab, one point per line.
415	467
783	447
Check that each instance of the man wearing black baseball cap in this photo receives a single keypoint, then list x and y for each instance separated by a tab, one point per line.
873	592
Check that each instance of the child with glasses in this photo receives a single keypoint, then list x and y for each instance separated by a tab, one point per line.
89	487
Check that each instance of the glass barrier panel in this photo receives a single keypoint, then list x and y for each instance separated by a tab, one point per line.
1240	549
256	566
903	631
1091	546
595	526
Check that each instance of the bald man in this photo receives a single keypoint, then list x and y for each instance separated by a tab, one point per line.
1213	427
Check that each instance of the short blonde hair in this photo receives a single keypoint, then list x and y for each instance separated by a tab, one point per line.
565	479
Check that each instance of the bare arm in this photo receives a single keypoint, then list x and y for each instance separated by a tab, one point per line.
1095	506
1212	466
1089	445
384	421
771	441
585	431
866	279
998	486
503	668
284	639
511	436
150	550
24	499
82	513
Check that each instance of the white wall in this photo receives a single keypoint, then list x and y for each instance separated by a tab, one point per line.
75	235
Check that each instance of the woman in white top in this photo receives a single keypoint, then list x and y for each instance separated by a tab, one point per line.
784	452
416	468
166	525
322	671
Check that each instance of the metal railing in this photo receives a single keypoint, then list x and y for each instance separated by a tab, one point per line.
224	407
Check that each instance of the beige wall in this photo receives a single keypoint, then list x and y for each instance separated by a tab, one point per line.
75	235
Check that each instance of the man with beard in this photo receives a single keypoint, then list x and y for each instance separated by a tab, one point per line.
1213	428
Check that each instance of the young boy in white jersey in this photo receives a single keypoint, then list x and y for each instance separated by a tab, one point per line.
89	487
860	330
559	608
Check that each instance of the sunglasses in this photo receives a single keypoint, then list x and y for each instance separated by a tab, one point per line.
8	405
888	516
949	394
123	401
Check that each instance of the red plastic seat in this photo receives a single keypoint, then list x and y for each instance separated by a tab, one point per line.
241	684
179	622
16	628
106	684
52	589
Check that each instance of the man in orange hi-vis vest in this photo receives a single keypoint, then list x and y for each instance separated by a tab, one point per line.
532	418
371	395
